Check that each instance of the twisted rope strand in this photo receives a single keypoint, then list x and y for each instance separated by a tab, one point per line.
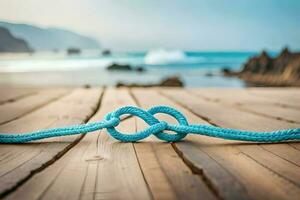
156	128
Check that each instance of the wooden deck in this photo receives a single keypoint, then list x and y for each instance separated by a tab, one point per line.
96	166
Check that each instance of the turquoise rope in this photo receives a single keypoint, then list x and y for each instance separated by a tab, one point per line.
156	128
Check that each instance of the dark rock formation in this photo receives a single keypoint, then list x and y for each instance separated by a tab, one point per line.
284	70
140	69
116	66
173	81
259	65
226	71
9	43
124	67
106	52
73	51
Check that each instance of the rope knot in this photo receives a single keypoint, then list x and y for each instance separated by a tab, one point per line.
156	127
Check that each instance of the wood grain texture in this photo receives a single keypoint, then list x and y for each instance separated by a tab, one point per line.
258	108
25	105
168	177
241	99
258	169
251	103
98	167
20	162
9	94
224	184
285	96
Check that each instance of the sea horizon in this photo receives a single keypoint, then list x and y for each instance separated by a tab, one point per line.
195	68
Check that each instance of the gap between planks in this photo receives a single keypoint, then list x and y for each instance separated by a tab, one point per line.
49	150
185	99
24	106
13	94
191	105
241	99
212	173
184	183
88	177
98	167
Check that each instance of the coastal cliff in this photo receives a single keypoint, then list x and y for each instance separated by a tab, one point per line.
9	43
50	39
283	70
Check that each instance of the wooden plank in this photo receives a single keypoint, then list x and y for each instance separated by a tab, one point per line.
285	92
20	107
19	162
156	179
295	145
284	96
98	167
287	125
165	172
109	169
242	99
259	170
224	184
184	183
8	94
269	123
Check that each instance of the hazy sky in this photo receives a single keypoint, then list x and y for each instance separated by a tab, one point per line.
173	24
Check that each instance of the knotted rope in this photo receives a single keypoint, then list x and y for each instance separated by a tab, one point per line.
156	128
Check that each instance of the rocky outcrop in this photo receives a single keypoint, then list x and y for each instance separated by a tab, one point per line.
173	81
73	51
9	43
116	66
283	70
121	67
106	52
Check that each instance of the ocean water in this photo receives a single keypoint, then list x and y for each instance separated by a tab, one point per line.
90	68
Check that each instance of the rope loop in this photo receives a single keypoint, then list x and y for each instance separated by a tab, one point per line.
156	127
180	118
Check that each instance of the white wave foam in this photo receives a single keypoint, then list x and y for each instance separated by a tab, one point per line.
162	56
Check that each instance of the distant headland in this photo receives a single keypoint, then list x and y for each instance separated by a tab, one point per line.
9	43
48	39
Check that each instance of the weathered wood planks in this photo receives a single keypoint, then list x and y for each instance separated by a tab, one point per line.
19	162
221	182
108	169
96	166
243	100
99	167
258	169
168	170
284	96
25	105
9	94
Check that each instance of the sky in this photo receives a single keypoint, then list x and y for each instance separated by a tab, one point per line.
170	24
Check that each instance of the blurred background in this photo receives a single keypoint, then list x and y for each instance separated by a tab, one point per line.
193	43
